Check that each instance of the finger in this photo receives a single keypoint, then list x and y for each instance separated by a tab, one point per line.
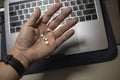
58	32
48	14
64	37
60	18
34	17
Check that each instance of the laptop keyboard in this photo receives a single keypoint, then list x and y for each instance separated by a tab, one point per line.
83	10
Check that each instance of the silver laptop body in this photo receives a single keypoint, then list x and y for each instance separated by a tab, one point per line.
90	32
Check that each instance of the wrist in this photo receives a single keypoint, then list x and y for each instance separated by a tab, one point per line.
14	63
20	57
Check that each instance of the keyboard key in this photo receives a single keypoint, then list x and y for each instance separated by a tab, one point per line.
76	18
81	7
39	3
88	17
63	0
34	4
13	13
69	0
79	2
21	17
12	30
73	3
11	8
17	7
45	2
18	29
73	14
79	13
31	10
51	1
22	6
75	8
94	16
19	12
91	11
15	18
67	4
62	9
91	1
25	11
82	18
27	16
57	0
85	1
88	6
13	24
27	5
43	8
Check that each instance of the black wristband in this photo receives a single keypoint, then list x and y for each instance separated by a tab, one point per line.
9	59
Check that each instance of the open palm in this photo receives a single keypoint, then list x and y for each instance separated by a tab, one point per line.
30	40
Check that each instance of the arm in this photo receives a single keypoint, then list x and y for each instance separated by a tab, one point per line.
38	39
7	72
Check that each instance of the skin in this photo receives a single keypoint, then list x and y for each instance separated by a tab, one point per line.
30	47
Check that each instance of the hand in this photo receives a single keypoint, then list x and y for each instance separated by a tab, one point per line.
30	43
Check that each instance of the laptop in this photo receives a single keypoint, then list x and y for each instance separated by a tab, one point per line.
90	34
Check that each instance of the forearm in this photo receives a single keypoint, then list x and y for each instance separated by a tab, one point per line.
7	72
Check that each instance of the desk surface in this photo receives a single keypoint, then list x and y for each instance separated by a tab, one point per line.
101	71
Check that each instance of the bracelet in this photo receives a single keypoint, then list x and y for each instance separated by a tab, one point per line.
9	59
